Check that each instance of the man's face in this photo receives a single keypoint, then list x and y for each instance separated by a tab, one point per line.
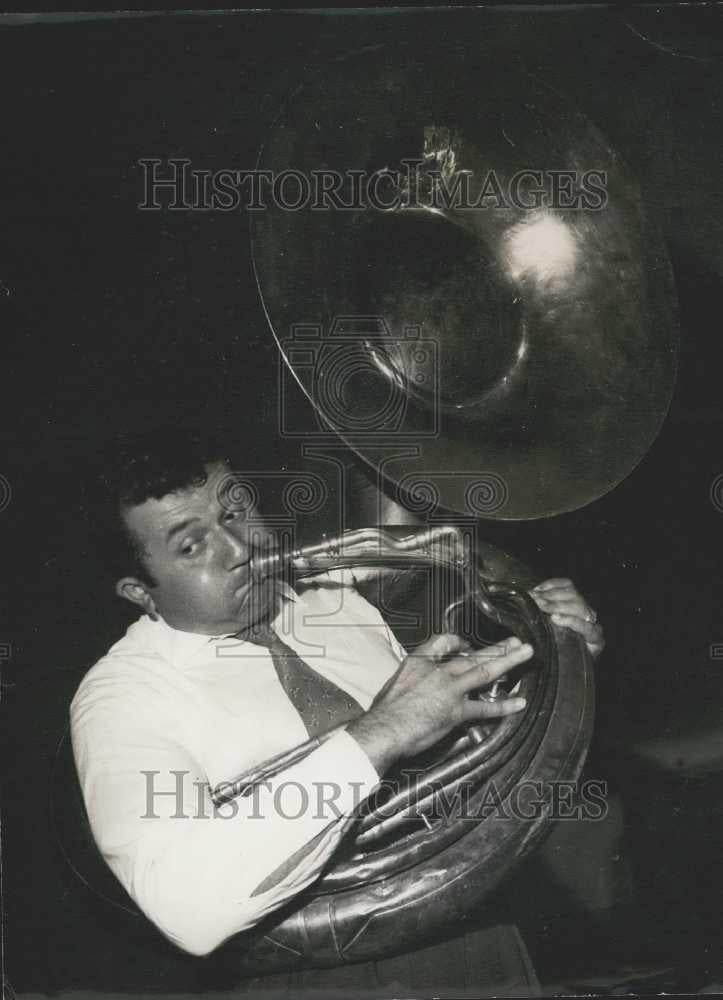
198	548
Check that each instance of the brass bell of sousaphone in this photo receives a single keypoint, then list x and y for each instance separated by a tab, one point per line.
454	258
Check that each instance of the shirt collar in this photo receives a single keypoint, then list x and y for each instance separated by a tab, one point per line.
179	646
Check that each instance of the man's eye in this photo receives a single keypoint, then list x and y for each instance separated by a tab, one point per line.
232	515
190	548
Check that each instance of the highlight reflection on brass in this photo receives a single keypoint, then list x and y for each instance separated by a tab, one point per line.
552	317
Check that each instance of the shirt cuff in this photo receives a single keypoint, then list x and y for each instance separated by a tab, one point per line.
345	765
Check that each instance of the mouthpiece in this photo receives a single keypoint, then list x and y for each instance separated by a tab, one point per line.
275	563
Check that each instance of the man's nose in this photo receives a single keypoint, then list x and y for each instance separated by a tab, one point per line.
244	539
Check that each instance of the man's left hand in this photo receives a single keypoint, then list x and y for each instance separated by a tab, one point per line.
566	606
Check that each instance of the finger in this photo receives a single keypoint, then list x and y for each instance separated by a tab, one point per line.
558	594
564	606
464	661
488	669
590	631
555	581
440	646
559	591
492	709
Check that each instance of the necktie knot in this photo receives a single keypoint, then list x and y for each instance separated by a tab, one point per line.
259	635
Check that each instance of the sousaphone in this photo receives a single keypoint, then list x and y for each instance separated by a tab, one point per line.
472	297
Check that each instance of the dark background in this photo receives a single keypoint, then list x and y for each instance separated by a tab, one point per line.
112	314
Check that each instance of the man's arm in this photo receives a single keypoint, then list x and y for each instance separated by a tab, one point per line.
198	873
202	874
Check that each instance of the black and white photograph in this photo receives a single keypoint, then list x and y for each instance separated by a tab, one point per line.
361	488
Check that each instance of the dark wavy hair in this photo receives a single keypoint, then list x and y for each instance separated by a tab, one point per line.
139	466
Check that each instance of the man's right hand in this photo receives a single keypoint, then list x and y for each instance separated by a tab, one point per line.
429	696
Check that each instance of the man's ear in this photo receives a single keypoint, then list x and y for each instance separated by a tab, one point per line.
135	591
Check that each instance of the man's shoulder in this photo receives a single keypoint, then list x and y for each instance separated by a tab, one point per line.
139	644
130	662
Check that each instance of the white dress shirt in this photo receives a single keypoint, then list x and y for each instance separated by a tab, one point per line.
166	714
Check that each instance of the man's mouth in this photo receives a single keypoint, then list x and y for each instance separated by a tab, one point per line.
256	603
259	593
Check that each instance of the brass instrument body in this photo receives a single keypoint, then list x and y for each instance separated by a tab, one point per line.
404	872
444	547
410	866
398	854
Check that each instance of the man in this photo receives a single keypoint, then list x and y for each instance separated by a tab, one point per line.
183	702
